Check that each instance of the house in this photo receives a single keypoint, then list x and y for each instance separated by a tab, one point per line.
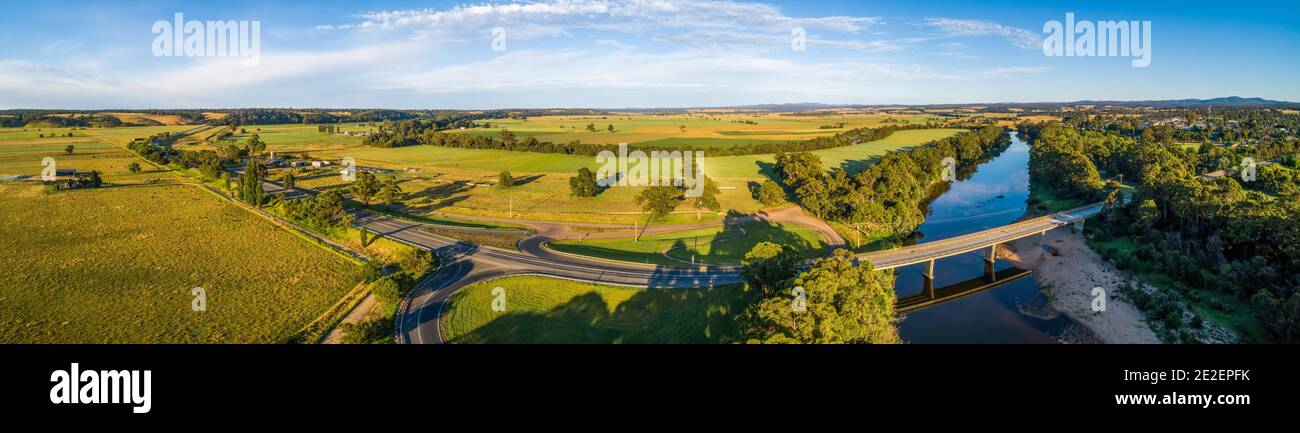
319	164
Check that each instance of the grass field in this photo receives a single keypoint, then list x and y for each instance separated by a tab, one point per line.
700	130
117	265
546	310
715	246
454	180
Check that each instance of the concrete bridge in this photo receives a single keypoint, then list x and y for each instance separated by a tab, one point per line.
986	241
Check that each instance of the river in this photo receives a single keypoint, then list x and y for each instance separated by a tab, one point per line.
993	196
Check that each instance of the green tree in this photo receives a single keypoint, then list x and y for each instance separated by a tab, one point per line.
505	180
507	137
658	201
770	193
769	266
133	167
390	191
610	128
365	187
418	262
708	198
839	303
68	150
255	145
584	184
250	183
1282	316
289	180
591	127
1148	214
1113	209
94	180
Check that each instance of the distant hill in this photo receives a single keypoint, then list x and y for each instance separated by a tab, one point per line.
1229	101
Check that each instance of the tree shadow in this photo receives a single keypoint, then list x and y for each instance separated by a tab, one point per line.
650	316
444	195
768	170
855	166
519	181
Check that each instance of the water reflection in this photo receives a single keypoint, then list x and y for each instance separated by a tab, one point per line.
994	196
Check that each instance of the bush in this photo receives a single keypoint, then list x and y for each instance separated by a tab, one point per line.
372	271
387	291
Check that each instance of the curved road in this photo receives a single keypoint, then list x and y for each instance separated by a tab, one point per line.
466	263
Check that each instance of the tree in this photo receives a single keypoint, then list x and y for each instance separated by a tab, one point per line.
1113	210
1278	314
708	198
839	303
769	266
610	128
68	150
683	128
591	127
418	262
390	191
133	167
365	187
507	137
770	193
1147	214
289	180
584	184
94	180
505	180
255	145
658	201
250	183
225	179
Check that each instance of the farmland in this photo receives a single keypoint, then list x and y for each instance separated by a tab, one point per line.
119	266
546	310
697	130
116	264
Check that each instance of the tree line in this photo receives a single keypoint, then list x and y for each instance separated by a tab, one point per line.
889	195
429	132
1210	234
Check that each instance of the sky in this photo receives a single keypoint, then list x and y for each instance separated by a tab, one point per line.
632	53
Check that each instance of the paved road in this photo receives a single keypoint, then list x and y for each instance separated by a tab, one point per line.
925	252
467	264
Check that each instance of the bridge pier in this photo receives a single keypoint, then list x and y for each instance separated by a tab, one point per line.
928	288
1078	226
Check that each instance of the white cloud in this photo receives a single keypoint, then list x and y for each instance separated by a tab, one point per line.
697	70
692	23
958	27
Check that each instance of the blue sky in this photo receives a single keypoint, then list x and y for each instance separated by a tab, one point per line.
617	53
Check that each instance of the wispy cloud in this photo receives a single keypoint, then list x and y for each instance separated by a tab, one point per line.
693	23
959	27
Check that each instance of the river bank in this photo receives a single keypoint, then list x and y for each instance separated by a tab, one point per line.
1068	271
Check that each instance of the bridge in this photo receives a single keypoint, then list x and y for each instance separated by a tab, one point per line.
987	240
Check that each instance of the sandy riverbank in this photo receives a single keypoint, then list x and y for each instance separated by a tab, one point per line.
1070	276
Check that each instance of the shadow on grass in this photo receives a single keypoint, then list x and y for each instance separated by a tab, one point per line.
650	316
